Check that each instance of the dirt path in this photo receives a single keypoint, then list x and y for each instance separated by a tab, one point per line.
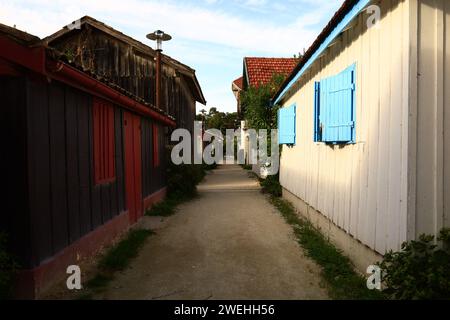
230	243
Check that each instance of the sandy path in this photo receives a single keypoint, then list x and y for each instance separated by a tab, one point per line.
230	243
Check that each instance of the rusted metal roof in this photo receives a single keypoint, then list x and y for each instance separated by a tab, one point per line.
260	71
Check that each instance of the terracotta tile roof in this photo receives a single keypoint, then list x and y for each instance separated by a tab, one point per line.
261	70
239	82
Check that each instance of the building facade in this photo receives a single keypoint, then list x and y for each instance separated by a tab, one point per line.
365	127
87	156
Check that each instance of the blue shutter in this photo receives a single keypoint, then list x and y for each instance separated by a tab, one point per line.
317	133
337	107
286	125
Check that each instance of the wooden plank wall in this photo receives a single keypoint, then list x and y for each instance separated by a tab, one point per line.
432	171
64	202
154	179
135	72
14	220
359	187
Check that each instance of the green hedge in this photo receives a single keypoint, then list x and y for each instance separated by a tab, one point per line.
421	270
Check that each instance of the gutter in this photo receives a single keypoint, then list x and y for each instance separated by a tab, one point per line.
305	64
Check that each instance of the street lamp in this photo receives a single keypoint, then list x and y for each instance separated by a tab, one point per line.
158	36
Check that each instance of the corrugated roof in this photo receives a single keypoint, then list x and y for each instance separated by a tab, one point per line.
261	70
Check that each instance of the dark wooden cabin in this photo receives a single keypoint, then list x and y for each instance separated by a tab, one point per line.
130	64
84	151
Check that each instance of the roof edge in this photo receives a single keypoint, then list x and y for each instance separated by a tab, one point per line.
346	13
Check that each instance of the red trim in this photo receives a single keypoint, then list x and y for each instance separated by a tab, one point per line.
156	197
8	69
32	283
104	146
35	59
133	170
65	73
156	161
31	58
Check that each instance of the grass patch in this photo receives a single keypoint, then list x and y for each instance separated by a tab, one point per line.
118	257
99	281
115	259
247	167
168	206
343	282
271	185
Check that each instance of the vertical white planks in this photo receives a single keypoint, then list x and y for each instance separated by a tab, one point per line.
384	127
359	187
447	117
373	103
439	91
395	137
364	96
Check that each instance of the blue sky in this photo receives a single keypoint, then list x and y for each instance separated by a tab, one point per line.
211	36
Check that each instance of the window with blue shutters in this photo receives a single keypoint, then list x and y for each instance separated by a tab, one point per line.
334	108
286	125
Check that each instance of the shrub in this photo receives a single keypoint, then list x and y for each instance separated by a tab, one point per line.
421	270
272	185
182	180
182	184
8	268
209	167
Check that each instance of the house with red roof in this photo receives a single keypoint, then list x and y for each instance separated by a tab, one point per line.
236	87
260	71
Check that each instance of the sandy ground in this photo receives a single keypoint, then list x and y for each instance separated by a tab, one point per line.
229	243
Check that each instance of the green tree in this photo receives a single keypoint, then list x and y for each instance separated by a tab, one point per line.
215	119
256	104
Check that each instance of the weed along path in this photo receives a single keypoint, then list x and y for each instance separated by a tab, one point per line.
228	243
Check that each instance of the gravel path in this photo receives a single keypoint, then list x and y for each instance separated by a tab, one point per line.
229	243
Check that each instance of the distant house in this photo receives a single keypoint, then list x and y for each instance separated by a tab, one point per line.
365	127
236	87
258	71
86	145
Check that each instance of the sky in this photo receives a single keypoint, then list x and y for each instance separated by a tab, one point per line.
211	36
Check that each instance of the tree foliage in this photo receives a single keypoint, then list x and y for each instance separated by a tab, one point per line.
256	104
215	119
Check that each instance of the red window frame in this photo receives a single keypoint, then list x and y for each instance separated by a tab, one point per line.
156	160
104	142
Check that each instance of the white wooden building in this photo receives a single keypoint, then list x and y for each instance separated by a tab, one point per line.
365	126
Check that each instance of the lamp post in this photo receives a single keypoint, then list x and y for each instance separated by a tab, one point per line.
158	36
